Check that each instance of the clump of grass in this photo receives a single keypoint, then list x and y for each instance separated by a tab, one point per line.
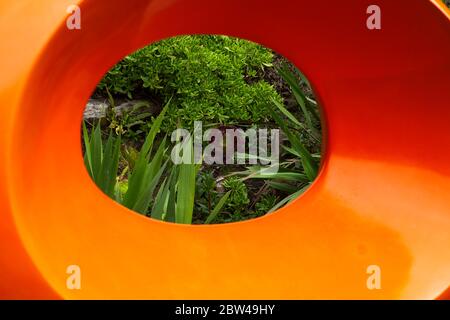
155	187
300	167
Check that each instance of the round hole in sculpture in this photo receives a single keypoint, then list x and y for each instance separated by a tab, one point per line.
201	129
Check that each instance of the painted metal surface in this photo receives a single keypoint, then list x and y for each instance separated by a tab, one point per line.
382	197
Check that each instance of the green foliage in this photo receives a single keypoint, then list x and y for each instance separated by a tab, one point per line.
174	202
238	199
154	187
206	195
147	171
309	164
301	167
131	124
217	80
101	160
265	204
186	192
222	201
211	78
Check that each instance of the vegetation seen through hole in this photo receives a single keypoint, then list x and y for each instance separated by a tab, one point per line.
147	112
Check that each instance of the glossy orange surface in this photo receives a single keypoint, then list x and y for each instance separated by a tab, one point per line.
382	197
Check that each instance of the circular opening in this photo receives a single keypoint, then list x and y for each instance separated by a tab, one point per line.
202	129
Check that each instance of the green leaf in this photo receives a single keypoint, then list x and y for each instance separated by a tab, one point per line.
185	193
96	152
285	187
160	201
290	176
143	170
311	130
102	161
142	202
186	190
110	165
217	208
171	202
300	97
289	115
254	172
289	198
87	153
309	165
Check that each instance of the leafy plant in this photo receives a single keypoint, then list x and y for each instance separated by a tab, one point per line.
218	80
154	187
238	199
102	161
206	194
266	204
177	194
186	192
217	208
215	79
128	122
148	170
301	167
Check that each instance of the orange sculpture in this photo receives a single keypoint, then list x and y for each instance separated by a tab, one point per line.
382	197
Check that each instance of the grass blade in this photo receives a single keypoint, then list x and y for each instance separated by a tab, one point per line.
143	200
312	131
171	202
185	193
309	165
289	198
217	208
160	201
110	164
300	97
87	152
285	187
96	152
186	189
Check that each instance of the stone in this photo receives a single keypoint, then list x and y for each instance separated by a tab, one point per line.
95	109
98	108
